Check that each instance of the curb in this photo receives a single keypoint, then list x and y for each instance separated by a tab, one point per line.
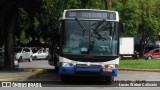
140	70
36	70
38	73
21	78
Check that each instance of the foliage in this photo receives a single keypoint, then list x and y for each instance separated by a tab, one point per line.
34	20
139	64
141	18
149	25
37	18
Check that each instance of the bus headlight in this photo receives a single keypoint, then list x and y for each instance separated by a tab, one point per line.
67	64
111	66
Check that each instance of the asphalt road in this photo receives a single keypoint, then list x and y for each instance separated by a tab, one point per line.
43	64
53	80
123	75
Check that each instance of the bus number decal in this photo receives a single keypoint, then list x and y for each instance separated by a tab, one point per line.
72	14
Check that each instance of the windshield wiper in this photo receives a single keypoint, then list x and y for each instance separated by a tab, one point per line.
82	26
105	26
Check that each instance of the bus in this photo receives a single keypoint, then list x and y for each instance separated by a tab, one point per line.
88	44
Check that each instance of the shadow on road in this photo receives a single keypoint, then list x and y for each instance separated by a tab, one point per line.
51	79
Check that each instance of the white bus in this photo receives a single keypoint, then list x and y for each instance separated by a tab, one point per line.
88	45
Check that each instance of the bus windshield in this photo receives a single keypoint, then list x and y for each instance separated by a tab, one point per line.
100	38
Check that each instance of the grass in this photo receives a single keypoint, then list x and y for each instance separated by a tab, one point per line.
140	64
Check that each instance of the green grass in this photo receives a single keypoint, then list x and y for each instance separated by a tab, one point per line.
140	64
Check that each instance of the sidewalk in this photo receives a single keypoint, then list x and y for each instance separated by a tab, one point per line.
21	74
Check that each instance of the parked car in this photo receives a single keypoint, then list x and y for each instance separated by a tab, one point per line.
23	54
155	53
16	64
40	54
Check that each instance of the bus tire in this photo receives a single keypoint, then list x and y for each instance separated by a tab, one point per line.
109	79
64	78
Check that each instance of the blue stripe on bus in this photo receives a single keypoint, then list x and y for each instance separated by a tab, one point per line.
71	71
66	70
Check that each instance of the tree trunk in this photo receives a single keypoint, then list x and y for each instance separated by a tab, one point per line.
9	34
142	47
108	4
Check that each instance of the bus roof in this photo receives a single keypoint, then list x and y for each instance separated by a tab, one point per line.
91	14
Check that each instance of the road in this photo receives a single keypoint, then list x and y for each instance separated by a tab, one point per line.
36	64
53	80
129	75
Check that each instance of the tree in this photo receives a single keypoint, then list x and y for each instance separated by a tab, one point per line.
149	23
141	18
108	4
129	14
8	23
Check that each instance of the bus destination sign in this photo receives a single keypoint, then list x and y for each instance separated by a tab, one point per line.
91	14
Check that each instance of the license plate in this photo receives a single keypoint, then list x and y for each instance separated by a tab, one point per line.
107	70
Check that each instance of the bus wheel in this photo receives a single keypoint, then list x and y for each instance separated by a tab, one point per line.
65	78
109	79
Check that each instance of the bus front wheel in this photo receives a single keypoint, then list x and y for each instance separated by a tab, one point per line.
65	78
109	79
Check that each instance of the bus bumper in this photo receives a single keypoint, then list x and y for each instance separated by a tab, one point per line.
74	71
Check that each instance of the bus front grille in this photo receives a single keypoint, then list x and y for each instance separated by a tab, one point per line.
88	66
82	65
95	66
87	73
